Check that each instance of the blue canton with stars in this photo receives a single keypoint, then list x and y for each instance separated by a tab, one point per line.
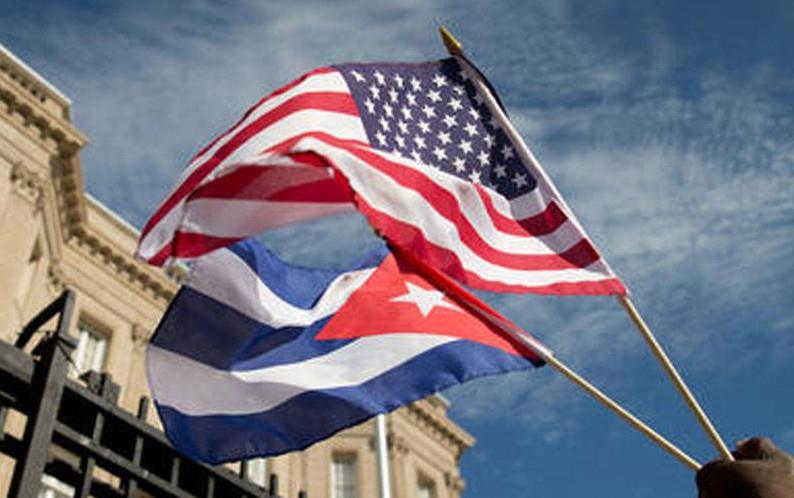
432	113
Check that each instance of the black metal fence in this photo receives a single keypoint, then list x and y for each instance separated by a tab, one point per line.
79	436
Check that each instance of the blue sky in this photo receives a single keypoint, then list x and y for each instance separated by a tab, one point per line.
667	126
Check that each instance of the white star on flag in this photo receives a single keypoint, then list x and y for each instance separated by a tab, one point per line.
424	299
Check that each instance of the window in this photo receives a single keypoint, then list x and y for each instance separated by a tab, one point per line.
256	471
344	481
91	348
53	488
426	488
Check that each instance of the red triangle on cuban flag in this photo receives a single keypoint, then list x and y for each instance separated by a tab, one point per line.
396	299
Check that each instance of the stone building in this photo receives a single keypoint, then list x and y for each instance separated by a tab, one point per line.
53	235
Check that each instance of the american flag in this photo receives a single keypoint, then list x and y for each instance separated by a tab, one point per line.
417	148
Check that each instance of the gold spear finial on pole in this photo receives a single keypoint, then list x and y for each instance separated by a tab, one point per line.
453	45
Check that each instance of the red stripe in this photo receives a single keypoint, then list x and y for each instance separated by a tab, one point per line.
161	257
580	255
311	158
262	101
539	224
274	183
308	158
286	146
327	190
325	101
191	244
413	240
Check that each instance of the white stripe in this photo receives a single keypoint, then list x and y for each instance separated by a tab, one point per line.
221	392
239	287
472	207
160	234
342	126
325	82
242	217
533	202
283	172
530	204
524	152
401	204
233	217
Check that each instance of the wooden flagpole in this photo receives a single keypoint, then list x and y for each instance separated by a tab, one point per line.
487	314
623	413
675	377
455	48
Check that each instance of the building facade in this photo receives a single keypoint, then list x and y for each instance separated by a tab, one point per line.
53	236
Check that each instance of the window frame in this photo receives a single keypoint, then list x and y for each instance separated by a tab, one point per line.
345	459
425	482
257	466
89	327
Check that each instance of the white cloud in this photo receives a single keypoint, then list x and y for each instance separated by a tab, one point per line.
688	194
690	199
152	85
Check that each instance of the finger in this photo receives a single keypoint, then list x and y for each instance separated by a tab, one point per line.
757	448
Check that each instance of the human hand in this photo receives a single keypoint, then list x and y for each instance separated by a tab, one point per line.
761	470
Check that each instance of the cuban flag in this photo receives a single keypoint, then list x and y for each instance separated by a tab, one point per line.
256	357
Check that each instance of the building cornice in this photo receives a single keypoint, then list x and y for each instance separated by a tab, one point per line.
426	416
26	112
155	284
158	284
20	101
36	83
455	483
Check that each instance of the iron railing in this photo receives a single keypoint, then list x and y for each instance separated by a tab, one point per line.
76	432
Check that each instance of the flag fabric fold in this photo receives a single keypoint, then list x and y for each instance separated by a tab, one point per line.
279	357
415	148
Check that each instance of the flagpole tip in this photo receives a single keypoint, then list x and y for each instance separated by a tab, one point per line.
453	45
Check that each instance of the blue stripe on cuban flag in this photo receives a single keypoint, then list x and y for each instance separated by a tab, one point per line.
237	369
